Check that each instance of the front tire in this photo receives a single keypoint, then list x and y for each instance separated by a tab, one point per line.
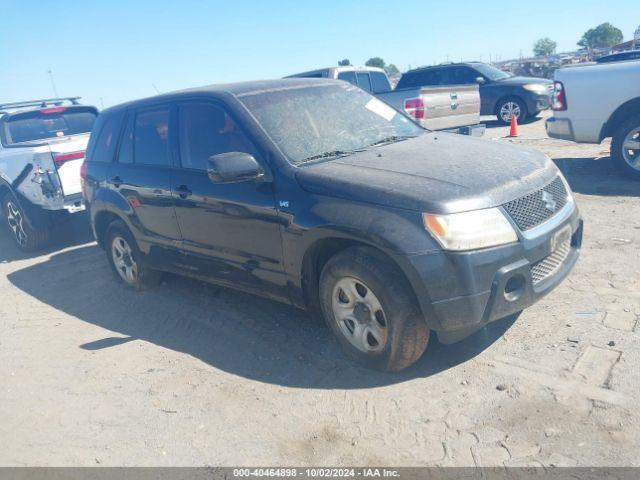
625	147
369	306
511	106
126	260
26	237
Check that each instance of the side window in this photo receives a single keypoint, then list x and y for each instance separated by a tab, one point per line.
107	139
429	77
206	130
379	82
348	77
363	81
125	153
460	76
151	137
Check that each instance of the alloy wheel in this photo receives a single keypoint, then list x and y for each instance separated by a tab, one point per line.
631	148
122	256
359	315
15	221
508	110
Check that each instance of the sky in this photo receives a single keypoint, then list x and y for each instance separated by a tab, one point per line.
111	51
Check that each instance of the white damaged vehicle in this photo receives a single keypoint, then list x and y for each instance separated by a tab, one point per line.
42	149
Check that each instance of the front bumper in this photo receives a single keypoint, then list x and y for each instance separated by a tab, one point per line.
460	292
536	102
559	128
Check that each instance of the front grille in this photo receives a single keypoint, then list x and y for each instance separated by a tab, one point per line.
549	265
537	207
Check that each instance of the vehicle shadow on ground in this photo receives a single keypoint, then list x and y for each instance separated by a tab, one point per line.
231	331
597	176
73	231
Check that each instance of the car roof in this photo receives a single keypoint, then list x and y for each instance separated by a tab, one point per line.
237	89
340	69
444	65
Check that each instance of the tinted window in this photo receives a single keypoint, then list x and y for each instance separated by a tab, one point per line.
363	81
207	130
47	123
107	139
460	76
420	79
125	154
379	82
151	137
348	77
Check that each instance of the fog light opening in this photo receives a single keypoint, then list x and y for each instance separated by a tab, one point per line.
514	287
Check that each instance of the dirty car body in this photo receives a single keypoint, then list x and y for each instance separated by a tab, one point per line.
424	203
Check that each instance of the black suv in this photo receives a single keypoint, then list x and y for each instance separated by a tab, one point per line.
315	193
501	93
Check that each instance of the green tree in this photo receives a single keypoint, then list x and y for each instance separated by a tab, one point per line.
344	62
603	36
544	46
391	70
375	62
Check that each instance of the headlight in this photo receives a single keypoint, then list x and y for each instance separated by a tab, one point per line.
470	230
536	87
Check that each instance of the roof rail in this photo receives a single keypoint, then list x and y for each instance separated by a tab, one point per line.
41	103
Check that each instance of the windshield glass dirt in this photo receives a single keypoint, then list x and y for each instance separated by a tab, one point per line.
320	121
42	125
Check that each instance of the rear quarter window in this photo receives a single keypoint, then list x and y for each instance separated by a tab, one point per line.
379	82
105	138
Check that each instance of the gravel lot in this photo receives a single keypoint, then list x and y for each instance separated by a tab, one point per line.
193	374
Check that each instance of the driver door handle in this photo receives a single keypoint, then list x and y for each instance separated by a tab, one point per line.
116	181
183	191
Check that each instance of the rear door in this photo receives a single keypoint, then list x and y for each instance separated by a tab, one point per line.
142	177
231	231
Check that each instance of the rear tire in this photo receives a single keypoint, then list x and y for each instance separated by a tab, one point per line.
511	106
369	306
126	260
627	159
26	237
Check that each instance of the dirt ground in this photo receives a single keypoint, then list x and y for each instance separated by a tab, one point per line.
192	374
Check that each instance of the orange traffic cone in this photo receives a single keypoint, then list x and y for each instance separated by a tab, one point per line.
513	131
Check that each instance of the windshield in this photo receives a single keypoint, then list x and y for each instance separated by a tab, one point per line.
48	123
492	73
326	120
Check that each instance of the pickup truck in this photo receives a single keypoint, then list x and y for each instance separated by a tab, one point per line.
41	151
594	102
452	107
315	193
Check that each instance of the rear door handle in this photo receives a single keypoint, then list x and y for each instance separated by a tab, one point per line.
116	181
183	191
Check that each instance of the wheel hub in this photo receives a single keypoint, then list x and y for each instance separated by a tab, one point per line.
359	315
362	313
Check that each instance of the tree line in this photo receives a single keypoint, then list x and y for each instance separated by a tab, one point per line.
604	35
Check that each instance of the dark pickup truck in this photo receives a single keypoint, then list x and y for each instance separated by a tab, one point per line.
314	193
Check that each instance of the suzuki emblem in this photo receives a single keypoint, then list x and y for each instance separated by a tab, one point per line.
549	202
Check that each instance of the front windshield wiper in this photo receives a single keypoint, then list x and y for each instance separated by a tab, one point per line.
391	139
326	155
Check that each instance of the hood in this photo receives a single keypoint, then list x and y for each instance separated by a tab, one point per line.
435	172
524	80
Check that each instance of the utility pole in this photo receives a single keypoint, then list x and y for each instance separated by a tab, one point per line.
53	84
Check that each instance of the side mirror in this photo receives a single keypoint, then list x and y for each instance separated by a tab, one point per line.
233	167
480	80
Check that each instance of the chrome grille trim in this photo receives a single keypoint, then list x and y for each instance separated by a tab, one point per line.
550	265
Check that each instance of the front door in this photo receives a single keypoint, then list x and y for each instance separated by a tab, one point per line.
230	231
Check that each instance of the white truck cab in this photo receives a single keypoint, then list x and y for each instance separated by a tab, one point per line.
42	148
597	101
